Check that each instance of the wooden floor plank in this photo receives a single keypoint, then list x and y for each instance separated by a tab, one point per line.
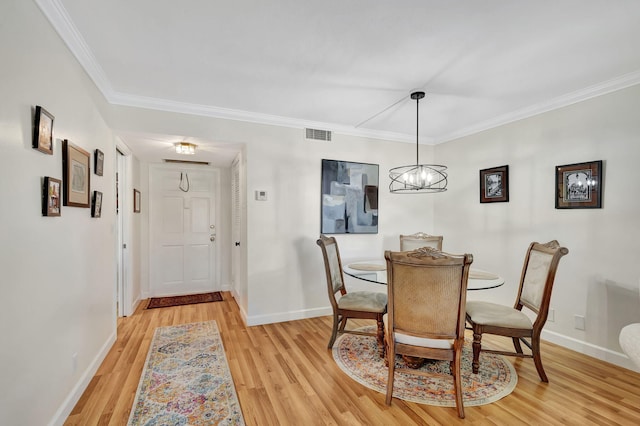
285	375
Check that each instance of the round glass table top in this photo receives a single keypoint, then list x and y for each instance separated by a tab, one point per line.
375	271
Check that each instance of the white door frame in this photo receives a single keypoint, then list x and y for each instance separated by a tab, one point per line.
123	224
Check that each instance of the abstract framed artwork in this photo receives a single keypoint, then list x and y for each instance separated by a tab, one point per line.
98	162
51	188
96	204
494	185
136	201
579	185
349	197
43	131
75	175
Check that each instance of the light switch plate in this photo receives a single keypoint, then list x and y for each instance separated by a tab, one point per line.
261	195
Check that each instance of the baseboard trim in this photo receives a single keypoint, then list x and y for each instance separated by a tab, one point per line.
288	316
589	349
74	396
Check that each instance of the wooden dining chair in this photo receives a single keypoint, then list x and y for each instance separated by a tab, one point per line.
427	292
536	283
420	239
355	304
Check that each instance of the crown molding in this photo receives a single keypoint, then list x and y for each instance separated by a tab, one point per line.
618	83
62	23
124	99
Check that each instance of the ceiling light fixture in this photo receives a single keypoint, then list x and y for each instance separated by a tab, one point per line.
185	148
418	178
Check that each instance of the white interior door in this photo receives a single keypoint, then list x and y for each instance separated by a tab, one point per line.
183	231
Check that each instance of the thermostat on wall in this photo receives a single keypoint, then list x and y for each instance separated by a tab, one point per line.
261	195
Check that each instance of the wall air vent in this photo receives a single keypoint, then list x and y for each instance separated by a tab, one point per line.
318	135
201	163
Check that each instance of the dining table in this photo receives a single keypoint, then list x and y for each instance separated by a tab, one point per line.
375	271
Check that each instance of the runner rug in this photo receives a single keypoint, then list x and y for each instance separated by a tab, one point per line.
358	357
189	299
186	380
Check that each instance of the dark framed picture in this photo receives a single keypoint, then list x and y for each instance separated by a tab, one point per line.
98	162
349	197
136	201
75	175
579	185
96	204
494	185
43	131
51	188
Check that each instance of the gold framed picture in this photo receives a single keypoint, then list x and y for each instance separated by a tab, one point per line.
75	175
43	131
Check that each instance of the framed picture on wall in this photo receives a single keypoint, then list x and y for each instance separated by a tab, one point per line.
136	201
43	131
494	185
349	197
75	175
98	160
579	185
51	188
96	204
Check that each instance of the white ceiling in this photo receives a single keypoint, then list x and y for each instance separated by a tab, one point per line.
350	65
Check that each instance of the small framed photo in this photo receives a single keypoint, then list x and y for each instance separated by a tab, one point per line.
96	204
51	188
98	162
136	201
75	175
494	185
579	185
43	131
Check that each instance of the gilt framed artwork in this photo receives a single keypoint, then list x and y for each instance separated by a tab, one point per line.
349	197
579	185
51	188
75	175
43	131
494	185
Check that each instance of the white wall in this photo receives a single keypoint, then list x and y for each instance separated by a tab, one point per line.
598	279
58	273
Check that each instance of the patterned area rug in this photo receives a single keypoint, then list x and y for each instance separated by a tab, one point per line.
358	357
189	299
186	380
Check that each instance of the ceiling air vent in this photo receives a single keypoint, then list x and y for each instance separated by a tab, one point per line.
318	135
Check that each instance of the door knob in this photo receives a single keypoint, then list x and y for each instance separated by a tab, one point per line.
212	237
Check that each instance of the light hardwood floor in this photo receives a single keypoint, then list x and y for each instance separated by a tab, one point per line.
285	375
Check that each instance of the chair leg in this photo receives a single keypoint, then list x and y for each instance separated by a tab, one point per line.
457	384
535	349
477	345
334	330
380	336
516	344
392	367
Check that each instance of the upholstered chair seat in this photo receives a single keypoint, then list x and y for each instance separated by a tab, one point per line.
492	314
367	301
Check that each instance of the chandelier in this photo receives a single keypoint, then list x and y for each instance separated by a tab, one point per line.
418	178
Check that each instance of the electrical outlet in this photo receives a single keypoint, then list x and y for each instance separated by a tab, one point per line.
74	362
579	319
551	316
